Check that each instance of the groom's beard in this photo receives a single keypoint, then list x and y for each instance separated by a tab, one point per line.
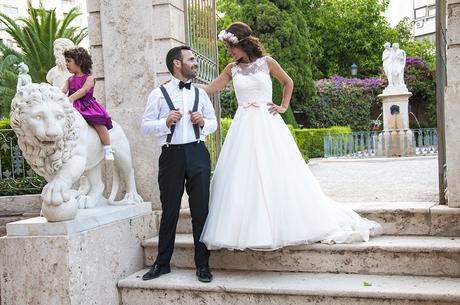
188	73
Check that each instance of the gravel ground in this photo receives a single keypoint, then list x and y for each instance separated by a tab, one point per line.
390	180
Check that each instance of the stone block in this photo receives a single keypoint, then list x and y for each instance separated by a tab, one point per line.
256	288
452	108
93	6
75	269
169	23
453	66
395	255
98	61
94	29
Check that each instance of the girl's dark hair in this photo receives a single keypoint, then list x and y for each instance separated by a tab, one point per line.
248	43
81	58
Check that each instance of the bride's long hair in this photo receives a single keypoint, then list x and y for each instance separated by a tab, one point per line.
248	43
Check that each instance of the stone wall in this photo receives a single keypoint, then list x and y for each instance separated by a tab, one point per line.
452	103
128	43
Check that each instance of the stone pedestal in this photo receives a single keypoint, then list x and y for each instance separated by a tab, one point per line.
396	139
73	262
396	143
452	104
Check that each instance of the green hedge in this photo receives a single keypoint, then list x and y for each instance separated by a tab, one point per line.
309	141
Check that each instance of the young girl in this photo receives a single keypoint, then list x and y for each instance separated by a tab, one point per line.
80	88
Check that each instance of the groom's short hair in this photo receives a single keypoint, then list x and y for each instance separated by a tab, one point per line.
175	53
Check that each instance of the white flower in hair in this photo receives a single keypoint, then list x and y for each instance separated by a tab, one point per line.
227	36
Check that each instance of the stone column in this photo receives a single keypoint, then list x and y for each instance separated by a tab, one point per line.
452	103
128	43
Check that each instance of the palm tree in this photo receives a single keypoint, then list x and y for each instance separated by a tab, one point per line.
36	33
8	77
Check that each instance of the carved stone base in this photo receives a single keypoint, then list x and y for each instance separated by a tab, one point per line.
80	266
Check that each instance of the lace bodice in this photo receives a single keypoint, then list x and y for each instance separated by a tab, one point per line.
252	82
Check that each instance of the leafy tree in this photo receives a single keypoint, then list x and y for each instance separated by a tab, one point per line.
347	32
281	27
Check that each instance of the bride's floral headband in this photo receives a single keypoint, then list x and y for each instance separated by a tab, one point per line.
227	36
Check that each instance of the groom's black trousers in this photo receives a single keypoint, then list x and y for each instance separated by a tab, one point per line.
179	165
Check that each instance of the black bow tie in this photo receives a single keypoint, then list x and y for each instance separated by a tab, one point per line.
186	85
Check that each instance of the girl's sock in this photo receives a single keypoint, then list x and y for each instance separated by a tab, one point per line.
108	153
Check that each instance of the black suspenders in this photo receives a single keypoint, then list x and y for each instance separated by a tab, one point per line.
171	107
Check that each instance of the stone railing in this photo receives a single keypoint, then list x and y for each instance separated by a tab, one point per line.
396	143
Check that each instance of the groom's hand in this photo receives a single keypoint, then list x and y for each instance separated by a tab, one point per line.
173	117
196	118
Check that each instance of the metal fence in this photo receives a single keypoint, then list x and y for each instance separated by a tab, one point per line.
397	143
201	36
16	176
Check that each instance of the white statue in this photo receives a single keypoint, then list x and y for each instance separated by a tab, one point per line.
394	61
23	77
399	64
387	57
58	75
60	146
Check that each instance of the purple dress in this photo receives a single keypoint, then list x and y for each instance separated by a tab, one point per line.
93	112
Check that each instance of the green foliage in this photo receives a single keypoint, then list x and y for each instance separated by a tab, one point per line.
22	186
309	141
288	116
8	77
425	49
283	29
344	102
347	32
228	103
34	35
420	80
225	125
5	123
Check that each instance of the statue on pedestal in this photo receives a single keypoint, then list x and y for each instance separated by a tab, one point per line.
59	74
60	146
394	61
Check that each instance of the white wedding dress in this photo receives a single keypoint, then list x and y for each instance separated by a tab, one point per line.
263	195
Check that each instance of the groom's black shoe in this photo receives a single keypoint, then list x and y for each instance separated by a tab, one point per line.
203	274
155	271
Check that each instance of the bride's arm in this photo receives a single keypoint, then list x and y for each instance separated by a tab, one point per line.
220	82
285	80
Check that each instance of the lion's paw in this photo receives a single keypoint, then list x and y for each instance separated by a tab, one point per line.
129	199
56	192
133	198
86	202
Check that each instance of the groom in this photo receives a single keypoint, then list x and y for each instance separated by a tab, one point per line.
181	115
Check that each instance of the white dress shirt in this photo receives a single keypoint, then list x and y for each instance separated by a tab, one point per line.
157	111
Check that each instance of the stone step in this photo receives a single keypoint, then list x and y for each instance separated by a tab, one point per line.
397	218
398	255
180	287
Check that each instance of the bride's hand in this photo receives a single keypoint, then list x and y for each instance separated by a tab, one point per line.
274	109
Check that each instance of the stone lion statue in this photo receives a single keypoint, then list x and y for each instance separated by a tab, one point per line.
60	146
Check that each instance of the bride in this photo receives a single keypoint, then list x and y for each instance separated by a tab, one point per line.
263	195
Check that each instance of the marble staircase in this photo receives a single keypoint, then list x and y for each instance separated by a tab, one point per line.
417	261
